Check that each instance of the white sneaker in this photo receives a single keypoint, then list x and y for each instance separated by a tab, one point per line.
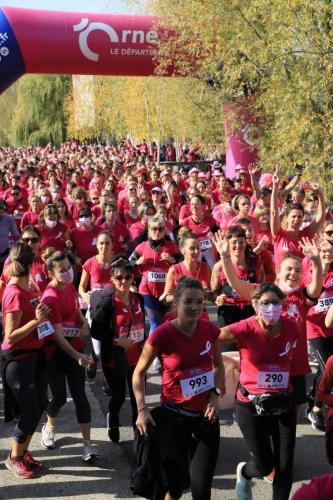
157	365
243	486
48	437
89	452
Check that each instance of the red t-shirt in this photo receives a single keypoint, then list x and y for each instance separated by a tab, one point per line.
29	219
285	242
315	321
99	275
183	360
202	273
255	223
201	229
265	361
319	487
136	229
120	235
154	270
53	237
85	242
17	299
64	305
129	322
295	307
38	273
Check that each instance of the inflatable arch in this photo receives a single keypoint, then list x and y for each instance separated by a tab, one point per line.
39	41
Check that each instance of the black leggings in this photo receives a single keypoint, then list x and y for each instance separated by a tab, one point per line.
227	315
257	431
27	379
189	449
61	368
117	382
322	348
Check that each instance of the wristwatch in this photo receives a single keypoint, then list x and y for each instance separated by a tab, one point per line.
216	391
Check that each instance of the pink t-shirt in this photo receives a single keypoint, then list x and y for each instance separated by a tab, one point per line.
285	242
17	299
85	242
265	361
99	275
183	358
53	237
315	321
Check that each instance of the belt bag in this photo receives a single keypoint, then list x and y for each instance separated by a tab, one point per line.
270	404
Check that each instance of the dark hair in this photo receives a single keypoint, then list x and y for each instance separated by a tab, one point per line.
31	229
105	233
21	258
265	191
121	264
146	205
267	287
237	231
244	221
51	256
109	204
294	206
238	197
84	212
184	283
200	198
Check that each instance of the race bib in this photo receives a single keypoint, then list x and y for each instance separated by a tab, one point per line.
197	384
156	277
137	333
44	329
71	330
324	304
205	244
273	380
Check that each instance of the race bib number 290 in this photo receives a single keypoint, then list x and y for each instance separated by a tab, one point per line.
197	384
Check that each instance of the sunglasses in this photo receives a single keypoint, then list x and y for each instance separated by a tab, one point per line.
159	228
15	193
156	192
30	240
329	233
128	277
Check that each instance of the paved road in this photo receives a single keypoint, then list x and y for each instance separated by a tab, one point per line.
68	477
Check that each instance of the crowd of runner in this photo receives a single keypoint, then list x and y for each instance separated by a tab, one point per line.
97	242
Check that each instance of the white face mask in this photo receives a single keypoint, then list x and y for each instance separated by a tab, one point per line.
67	276
51	223
45	199
270	313
286	288
85	221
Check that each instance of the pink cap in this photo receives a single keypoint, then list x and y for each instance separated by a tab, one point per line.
194	170
164	172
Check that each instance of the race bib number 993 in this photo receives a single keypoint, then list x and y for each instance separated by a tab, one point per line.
197	384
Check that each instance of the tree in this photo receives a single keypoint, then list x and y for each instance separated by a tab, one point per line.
279	51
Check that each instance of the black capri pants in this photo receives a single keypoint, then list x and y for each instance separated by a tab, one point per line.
27	379
322	348
257	431
60	368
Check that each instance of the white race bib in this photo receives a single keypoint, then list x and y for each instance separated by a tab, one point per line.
197	384
71	331
205	244
324	304
273	380
137	334
44	329
156	277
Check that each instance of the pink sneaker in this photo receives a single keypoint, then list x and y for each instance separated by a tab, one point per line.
19	467
31	462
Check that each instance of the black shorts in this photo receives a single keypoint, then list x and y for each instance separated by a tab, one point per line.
298	383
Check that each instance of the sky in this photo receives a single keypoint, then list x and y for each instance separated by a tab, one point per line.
107	6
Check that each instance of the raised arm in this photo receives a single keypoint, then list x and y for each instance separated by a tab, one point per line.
275	216
311	252
243	288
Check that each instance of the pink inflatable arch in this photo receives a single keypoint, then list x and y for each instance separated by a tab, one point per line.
39	41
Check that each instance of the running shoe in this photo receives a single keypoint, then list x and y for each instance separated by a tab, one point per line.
20	468
157	365
48	437
91	370
31	462
317	420
89	452
243	486
112	430
270	477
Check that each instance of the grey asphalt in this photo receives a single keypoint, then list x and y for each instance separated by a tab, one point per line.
67	476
